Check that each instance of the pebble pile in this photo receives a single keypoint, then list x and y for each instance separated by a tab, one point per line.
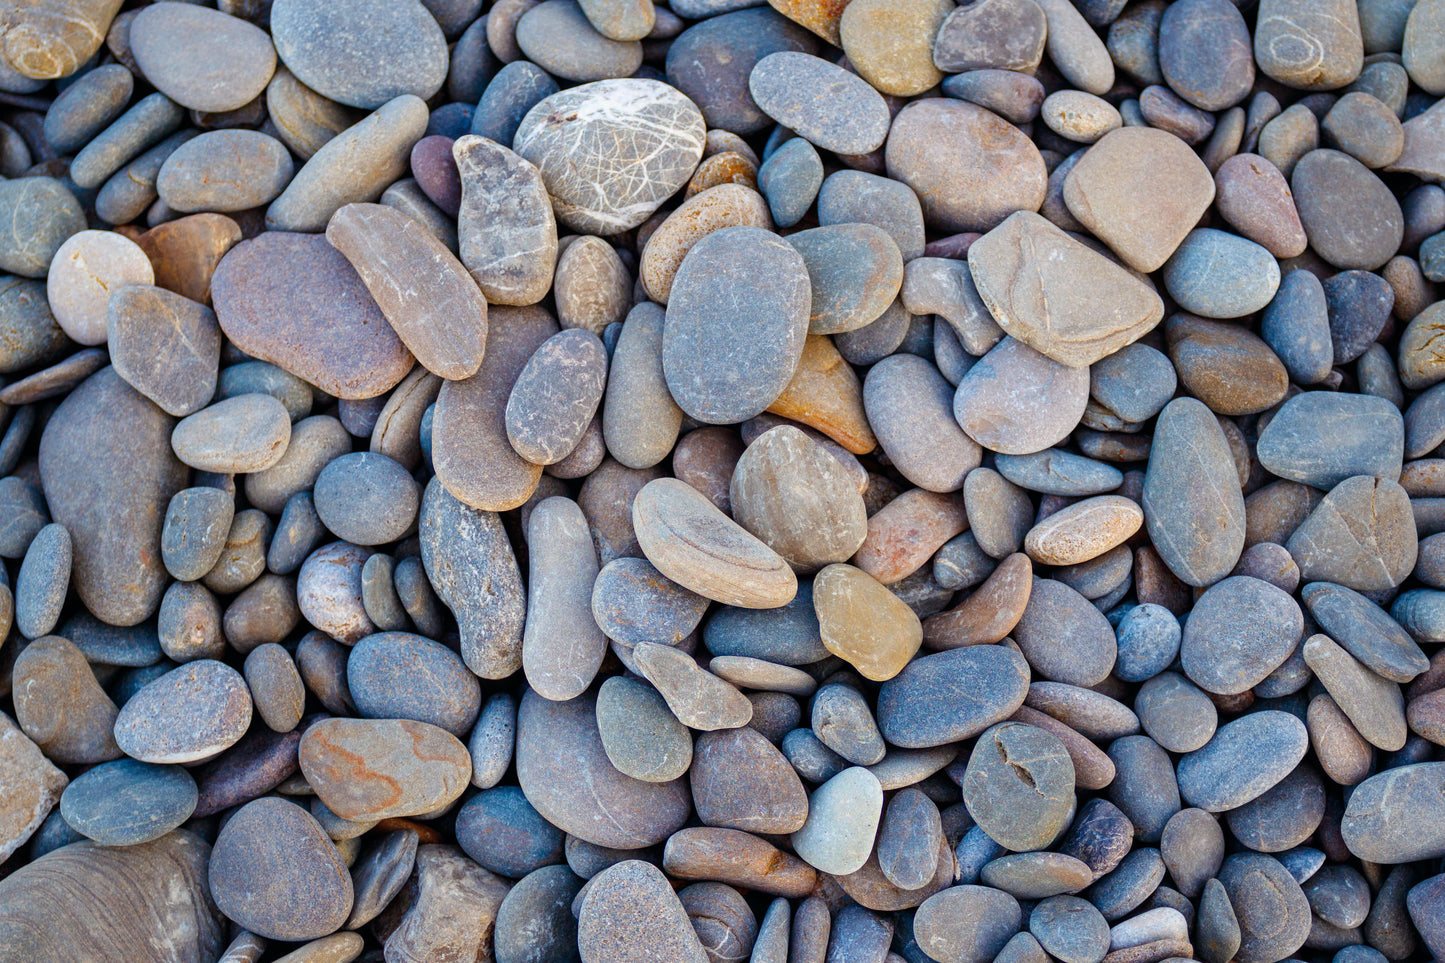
831	481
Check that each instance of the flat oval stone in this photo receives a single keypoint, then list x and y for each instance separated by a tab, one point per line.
470	451
1349	215
42	214
798	500
561	647
506	227
244	434
1064	637
719	373
1019	785
991	35
402	51
586	140
632	602
1253	196
948	150
1365	630
559	38
1392	817
567	777
629	911
1084	530
276	873
855	271
366	498
87	268
225	170
190	714
640	735
106	456
951	696
592	287
203	59
146	894
726	205
909	407
334	337
1309	47
1193	505
1070	929
556	395
1245	759
823	103
31	334
1240	631
304	119
126	802
501	831
843	817
699	699
695	545
863	623
740	781
379	768
640	418
890	44
1216	274
966	924
1321	438
420	286
1017	401
1205	53
396	675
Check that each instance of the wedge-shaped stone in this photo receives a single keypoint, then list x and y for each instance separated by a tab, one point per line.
506	229
1056	295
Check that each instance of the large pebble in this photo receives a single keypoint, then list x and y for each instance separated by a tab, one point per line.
561	647
720	370
1362	535
843	817
506	228
378	768
1394	816
401	49
1019	785
944	698
825	104
909	406
1240	631
579	137
1216	274
190	714
1245	759
40	214
202	59
863	623
1349	215
244	434
1017	401
629	911
948	150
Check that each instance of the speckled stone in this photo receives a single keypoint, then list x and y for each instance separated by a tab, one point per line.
629	911
948	150
740	781
1216	274
274	871
190	714
1241	630
60	705
403	50
42	215
602	123
966	924
842	823
991	35
558	36
562	647
506	228
1362	536
1019	785
244	434
164	345
1245	759
909	406
855	120
1017	401
420	286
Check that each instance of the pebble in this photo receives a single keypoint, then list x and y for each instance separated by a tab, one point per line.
455	907
86	269
1306	46
1193	508
274	871
1374	551
618	118
1205	53
1019	785
366	498
420	286
1017	401
993	35
1273	914
379	768
947	150
842	822
504	211
402	52
396	675
558	36
1241	630
969	924
1070	929
1350	217
1216	274
1175	713
1243	760
60	705
629	911
126	802
556	395
740	781
244	434
826	105
164	345
190	714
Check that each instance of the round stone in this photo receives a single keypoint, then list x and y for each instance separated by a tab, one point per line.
1205	53
400	51
366	498
1064	636
501	831
1016	401
201	58
863	623
1070	929
546	895
190	714
1175	713
244	434
991	35
1273	912
558	36
890	43
126	802
42	214
966	924
556	395
1393	817
1216	274
629	911
60	704
1240	631
275	872
909	407
740	781
396	675
842	822
586	142
87	268
1019	785
640	735
225	170
1351	218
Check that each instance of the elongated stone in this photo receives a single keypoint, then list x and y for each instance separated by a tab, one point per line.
952	696
863	623
379	768
506	229
697	546
562	645
420	286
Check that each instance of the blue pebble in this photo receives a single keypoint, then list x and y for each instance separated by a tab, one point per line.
1148	642
790	179
126	802
516	89
501	831
973	851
